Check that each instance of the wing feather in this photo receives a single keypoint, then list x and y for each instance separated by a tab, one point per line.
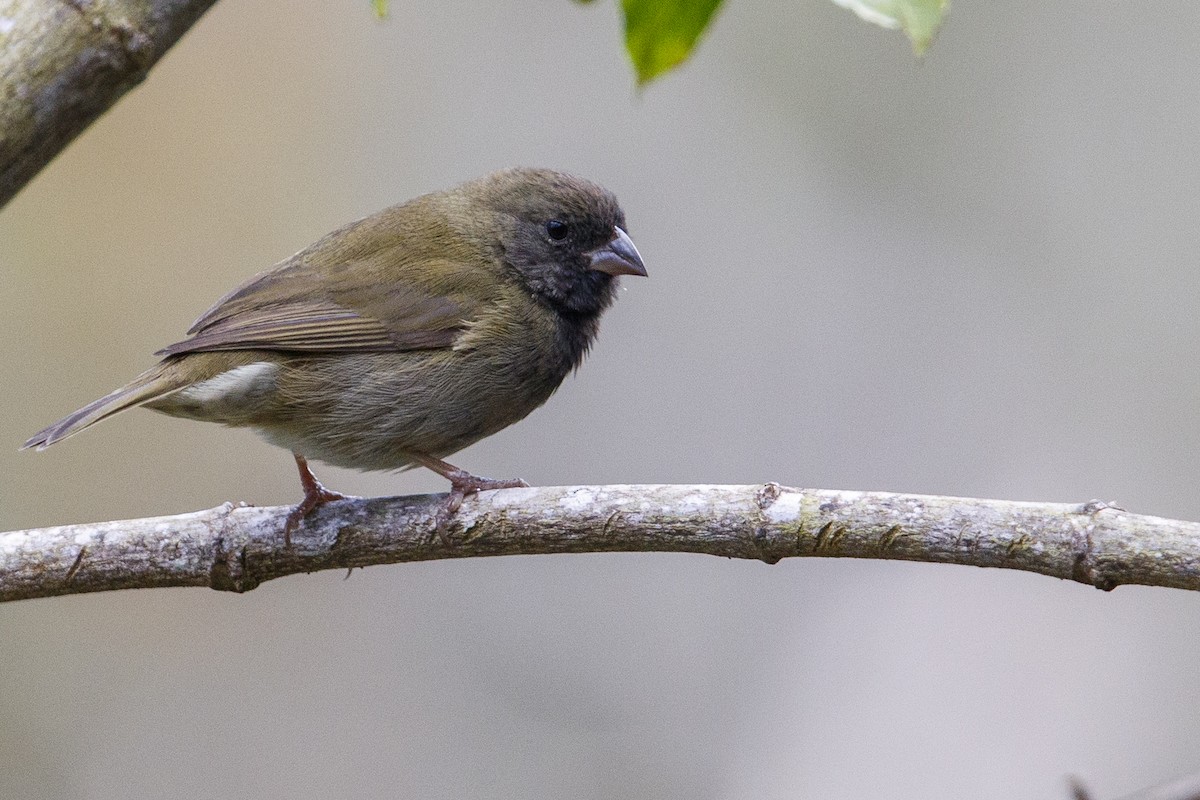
414	321
309	304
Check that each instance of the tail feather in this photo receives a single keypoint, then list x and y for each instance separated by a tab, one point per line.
149	385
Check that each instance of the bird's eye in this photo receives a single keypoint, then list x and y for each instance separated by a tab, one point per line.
557	230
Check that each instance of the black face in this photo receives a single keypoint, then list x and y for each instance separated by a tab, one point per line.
557	222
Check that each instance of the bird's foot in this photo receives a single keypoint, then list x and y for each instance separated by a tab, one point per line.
315	496
463	483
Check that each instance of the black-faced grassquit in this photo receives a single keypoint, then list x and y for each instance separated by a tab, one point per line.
404	337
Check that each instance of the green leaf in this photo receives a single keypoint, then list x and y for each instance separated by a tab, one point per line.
381	8
661	34
920	19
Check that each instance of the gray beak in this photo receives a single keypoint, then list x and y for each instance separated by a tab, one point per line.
618	257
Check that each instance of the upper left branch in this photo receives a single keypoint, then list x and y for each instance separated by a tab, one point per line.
64	62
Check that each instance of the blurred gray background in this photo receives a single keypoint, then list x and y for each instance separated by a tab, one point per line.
973	274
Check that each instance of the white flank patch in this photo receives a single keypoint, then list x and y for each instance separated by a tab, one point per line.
7	24
237	382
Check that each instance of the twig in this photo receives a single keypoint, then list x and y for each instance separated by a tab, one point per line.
1185	788
235	548
64	62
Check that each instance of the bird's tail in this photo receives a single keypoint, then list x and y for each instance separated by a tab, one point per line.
151	384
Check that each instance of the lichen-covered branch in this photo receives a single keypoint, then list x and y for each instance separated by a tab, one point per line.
64	62
235	548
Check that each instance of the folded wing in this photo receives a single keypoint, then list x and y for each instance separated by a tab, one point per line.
295	310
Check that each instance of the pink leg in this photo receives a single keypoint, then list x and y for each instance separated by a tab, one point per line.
462	483
315	496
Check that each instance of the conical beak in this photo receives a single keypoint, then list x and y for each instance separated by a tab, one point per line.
618	257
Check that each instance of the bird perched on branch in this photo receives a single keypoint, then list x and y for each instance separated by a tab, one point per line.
404	337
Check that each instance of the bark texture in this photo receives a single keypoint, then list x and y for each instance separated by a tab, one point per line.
64	62
235	548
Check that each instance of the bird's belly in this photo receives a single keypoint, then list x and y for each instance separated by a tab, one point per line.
371	411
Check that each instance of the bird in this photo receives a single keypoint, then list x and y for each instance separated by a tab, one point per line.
403	337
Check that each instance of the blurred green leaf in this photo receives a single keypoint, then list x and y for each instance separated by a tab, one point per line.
661	34
381	8
920	19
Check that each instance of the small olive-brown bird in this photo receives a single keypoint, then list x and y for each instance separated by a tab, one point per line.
404	337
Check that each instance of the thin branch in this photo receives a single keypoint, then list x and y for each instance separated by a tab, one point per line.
235	548
1185	788
64	62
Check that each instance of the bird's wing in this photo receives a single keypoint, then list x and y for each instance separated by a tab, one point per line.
297	309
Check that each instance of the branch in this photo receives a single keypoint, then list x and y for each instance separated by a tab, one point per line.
235	548
1186	788
64	62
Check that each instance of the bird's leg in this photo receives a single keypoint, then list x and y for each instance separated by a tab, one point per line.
462	483
315	496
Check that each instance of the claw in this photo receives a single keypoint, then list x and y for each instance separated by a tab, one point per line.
462	483
315	496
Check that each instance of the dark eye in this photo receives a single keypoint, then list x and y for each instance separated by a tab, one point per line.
557	230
